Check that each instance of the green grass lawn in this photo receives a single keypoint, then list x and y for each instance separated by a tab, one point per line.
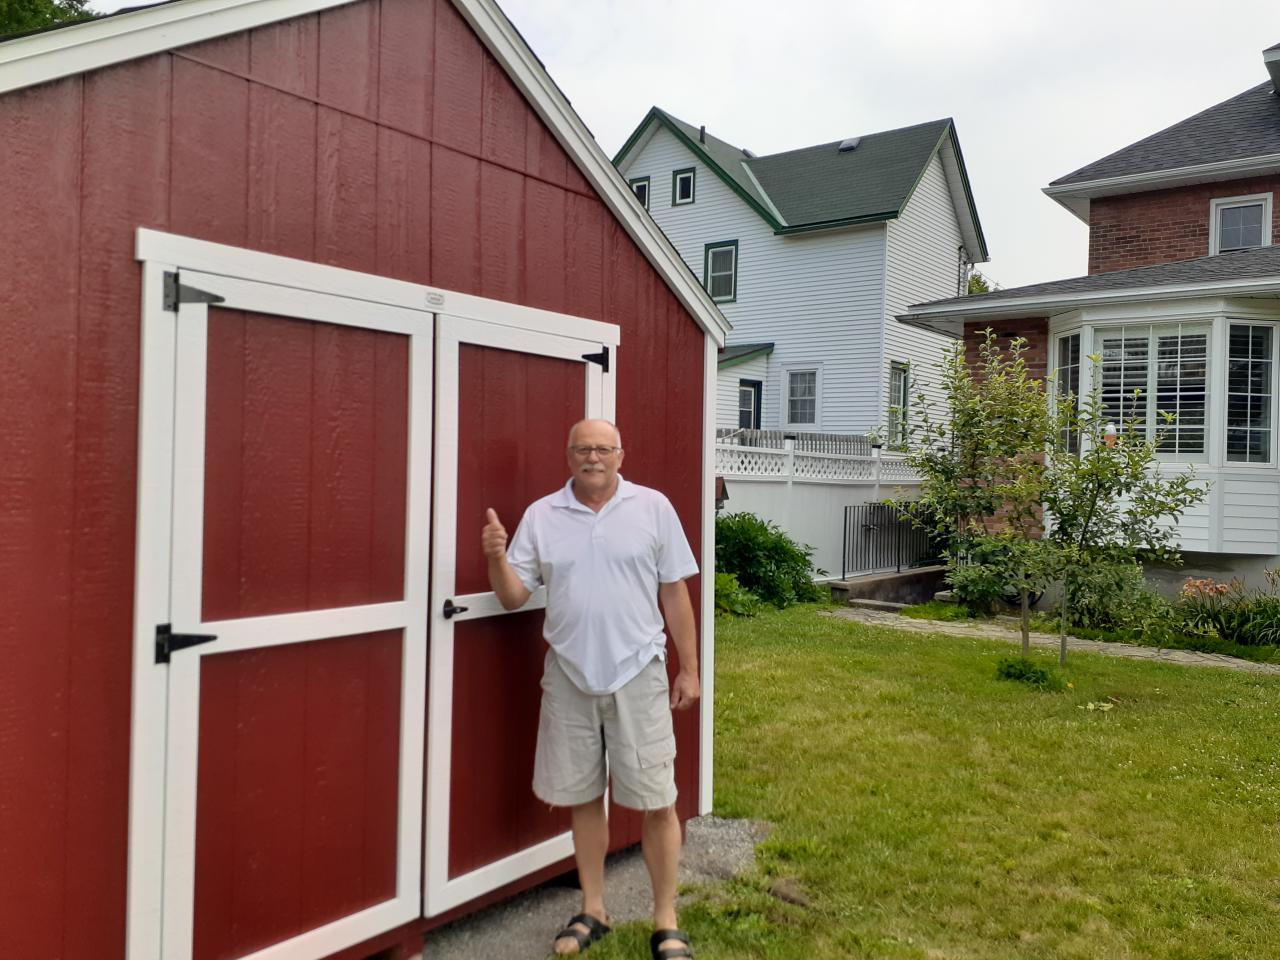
928	810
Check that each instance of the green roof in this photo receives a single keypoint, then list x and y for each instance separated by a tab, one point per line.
821	186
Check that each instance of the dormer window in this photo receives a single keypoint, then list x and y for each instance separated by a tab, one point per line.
1240	223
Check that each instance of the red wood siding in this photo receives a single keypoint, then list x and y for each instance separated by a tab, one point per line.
299	749
307	445
513	410
376	136
1161	226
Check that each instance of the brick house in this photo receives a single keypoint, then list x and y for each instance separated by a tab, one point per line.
1181	306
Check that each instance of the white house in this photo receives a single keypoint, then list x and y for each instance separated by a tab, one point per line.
811	253
1179	313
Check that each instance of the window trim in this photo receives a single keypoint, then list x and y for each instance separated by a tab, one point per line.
787	371
757	389
675	182
1071	442
1274	406
706	269
648	190
897	439
1214	427
1218	204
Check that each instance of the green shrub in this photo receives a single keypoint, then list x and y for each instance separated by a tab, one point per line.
1250	618
765	560
1107	595
979	585
732	598
1029	672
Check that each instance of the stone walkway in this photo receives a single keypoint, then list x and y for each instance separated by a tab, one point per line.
1006	628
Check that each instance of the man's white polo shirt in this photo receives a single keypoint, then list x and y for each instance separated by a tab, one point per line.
602	572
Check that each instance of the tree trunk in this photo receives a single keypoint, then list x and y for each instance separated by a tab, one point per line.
1024	596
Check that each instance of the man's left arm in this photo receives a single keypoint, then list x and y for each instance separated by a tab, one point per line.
678	611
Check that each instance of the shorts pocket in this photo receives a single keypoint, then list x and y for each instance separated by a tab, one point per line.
656	754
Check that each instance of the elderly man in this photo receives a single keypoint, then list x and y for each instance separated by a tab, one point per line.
608	552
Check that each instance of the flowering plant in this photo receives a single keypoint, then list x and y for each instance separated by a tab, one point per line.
1234	612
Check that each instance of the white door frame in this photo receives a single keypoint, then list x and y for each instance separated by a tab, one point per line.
567	338
169	577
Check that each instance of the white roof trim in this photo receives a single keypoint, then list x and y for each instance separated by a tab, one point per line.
506	44
42	57
54	54
1057	303
1075	196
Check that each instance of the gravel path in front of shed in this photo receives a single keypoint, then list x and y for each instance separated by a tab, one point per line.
524	927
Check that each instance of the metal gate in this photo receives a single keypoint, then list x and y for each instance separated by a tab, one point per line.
879	538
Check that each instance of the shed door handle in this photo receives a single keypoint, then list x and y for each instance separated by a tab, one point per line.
450	609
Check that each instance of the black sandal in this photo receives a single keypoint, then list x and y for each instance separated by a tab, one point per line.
669	953
595	930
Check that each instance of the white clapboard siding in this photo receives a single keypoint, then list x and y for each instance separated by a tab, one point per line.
922	262
1250	513
757	368
817	297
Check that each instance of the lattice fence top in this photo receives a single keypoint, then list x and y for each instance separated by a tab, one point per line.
851	444
739	461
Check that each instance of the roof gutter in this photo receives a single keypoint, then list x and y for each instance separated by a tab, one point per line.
1076	196
949	317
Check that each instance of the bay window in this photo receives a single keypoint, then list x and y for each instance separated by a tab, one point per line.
1249	393
1148	372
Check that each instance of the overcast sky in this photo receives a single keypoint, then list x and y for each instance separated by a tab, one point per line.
1037	89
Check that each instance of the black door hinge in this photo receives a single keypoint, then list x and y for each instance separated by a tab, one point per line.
601	358
176	293
168	642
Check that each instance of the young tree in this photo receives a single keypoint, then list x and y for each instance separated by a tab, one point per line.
20	16
984	470
1108	500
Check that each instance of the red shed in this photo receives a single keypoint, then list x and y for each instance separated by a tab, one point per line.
292	290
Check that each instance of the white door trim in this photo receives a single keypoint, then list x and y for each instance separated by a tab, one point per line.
440	892
169	576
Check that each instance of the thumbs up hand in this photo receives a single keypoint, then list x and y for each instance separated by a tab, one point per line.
493	538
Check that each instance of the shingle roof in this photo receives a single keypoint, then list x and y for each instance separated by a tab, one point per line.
1247	125
1254	264
819	186
730	159
731	354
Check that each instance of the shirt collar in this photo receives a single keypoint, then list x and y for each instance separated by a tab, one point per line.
564	496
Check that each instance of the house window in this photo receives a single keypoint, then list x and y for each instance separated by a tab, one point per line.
640	187
1150	371
1249	393
899	404
1067	367
720	271
1240	223
749	393
802	397
682	186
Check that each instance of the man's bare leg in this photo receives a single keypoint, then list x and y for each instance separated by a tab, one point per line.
590	844
660	842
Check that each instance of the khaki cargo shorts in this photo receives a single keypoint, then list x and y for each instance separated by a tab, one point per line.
631	727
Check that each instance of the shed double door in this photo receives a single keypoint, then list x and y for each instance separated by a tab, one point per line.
280	664
506	393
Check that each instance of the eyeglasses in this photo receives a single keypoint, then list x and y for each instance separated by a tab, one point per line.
598	451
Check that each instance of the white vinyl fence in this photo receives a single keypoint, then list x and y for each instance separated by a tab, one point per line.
805	492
